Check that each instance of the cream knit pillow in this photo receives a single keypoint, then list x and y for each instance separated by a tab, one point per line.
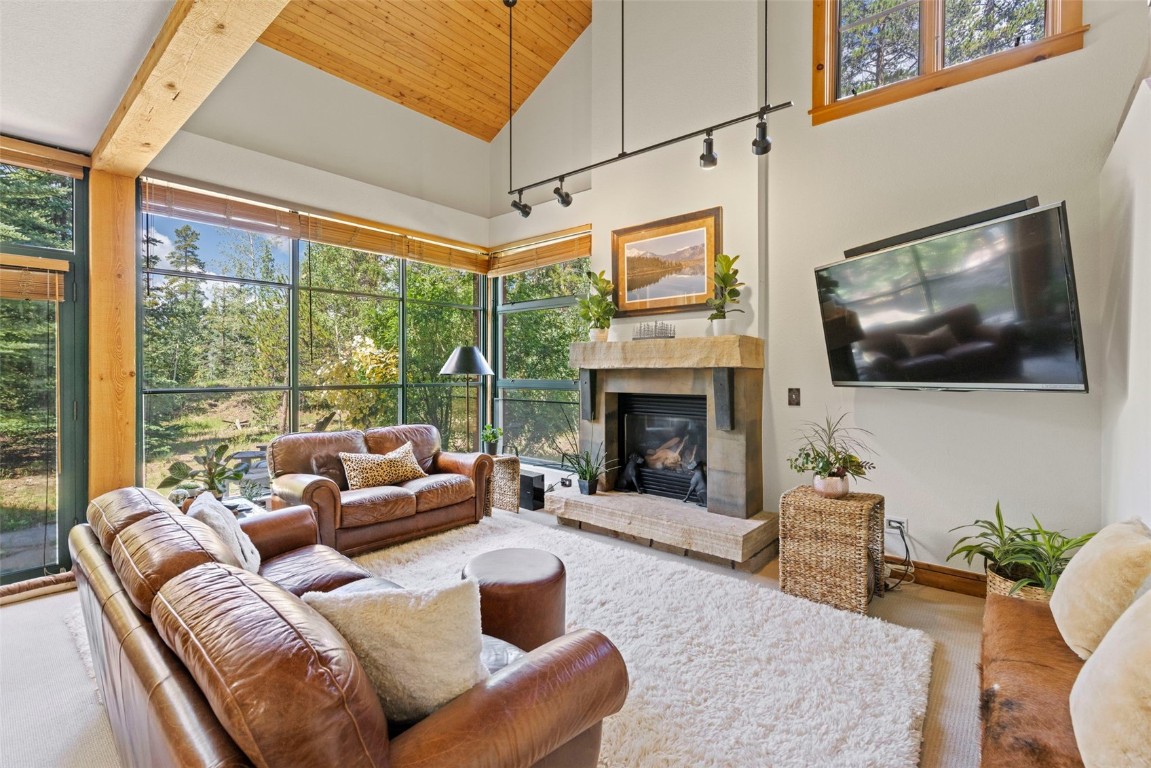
223	521
370	470
1111	698
420	648
1104	577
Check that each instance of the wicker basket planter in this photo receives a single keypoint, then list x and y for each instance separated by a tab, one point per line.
997	585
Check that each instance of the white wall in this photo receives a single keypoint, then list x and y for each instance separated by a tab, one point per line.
1125	196
275	105
1044	129
689	64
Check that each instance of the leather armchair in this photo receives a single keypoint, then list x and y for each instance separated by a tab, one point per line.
305	468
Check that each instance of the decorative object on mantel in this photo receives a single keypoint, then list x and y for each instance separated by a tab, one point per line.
831	451
1020	562
588	467
656	330
629	478
760	146
698	486
597	308
727	285
667	265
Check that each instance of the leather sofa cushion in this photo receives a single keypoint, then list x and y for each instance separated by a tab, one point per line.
375	505
1028	672
436	491
282	681
314	568
112	512
314	453
150	552
425	440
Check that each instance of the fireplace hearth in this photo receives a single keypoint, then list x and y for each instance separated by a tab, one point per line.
669	432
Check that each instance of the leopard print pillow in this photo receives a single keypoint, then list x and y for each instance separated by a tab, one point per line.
370	470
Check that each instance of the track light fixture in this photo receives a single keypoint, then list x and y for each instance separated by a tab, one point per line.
564	198
761	145
709	159
525	209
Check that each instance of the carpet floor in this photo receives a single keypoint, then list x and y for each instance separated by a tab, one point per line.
723	671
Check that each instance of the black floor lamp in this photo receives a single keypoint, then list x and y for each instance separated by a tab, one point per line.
468	361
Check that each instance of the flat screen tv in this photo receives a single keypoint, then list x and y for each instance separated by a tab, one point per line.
986	306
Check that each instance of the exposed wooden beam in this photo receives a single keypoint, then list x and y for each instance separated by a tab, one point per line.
112	333
42	158
200	42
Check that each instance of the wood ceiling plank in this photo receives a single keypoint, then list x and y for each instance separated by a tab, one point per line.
312	54
196	47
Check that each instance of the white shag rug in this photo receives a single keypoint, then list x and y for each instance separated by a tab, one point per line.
724	672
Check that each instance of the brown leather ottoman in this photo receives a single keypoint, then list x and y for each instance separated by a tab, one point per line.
522	595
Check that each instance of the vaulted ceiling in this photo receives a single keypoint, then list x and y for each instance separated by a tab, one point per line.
446	59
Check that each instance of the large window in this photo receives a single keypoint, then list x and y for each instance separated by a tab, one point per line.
537	397
247	335
43	261
869	53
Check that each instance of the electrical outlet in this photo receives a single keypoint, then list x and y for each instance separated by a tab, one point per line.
892	541
793	395
895	523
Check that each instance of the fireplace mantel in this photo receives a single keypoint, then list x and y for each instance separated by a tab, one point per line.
691	352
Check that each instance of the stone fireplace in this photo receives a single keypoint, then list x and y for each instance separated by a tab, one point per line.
678	403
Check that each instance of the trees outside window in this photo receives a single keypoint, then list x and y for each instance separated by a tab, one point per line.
537	392
247	335
869	53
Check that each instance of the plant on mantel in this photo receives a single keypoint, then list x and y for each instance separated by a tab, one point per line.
831	452
1022	557
597	308
727	287
588	467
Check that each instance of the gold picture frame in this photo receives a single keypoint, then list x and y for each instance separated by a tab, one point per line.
666	265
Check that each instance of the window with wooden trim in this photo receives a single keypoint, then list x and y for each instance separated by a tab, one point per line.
869	53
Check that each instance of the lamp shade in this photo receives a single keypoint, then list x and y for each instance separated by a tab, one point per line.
467	360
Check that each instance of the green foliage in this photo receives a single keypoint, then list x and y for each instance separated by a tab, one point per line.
491	434
35	207
586	465
831	449
1032	556
597	308
215	472
727	287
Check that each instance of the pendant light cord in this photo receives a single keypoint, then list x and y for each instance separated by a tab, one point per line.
622	81
511	21
765	52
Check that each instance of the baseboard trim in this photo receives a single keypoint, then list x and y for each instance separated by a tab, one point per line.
942	577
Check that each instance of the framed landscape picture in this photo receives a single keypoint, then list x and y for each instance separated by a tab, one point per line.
667	265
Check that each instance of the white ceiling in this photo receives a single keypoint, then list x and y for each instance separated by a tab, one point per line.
64	64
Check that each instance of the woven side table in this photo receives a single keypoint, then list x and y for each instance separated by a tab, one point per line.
504	486
830	549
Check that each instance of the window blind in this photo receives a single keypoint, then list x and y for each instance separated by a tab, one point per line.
28	155
28	278
541	252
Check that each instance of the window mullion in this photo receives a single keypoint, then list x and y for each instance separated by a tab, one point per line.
931	21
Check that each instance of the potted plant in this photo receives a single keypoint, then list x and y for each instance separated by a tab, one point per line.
490	435
587	466
727	285
597	308
1020	562
831	452
216	470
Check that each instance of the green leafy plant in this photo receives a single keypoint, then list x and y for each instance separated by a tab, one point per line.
1033	556
597	308
216	471
586	465
831	449
491	433
727	287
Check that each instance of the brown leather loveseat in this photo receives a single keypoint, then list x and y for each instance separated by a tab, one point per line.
305	468
202	663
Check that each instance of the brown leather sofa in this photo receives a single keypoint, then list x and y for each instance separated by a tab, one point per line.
305	468
1027	672
204	664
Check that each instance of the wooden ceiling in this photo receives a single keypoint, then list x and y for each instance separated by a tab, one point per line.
447	59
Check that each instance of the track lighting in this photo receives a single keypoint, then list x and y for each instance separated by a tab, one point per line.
564	198
709	158
524	209
762	143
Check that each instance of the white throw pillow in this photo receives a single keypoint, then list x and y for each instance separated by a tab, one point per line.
1104	577
223	521
420	648
1111	698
